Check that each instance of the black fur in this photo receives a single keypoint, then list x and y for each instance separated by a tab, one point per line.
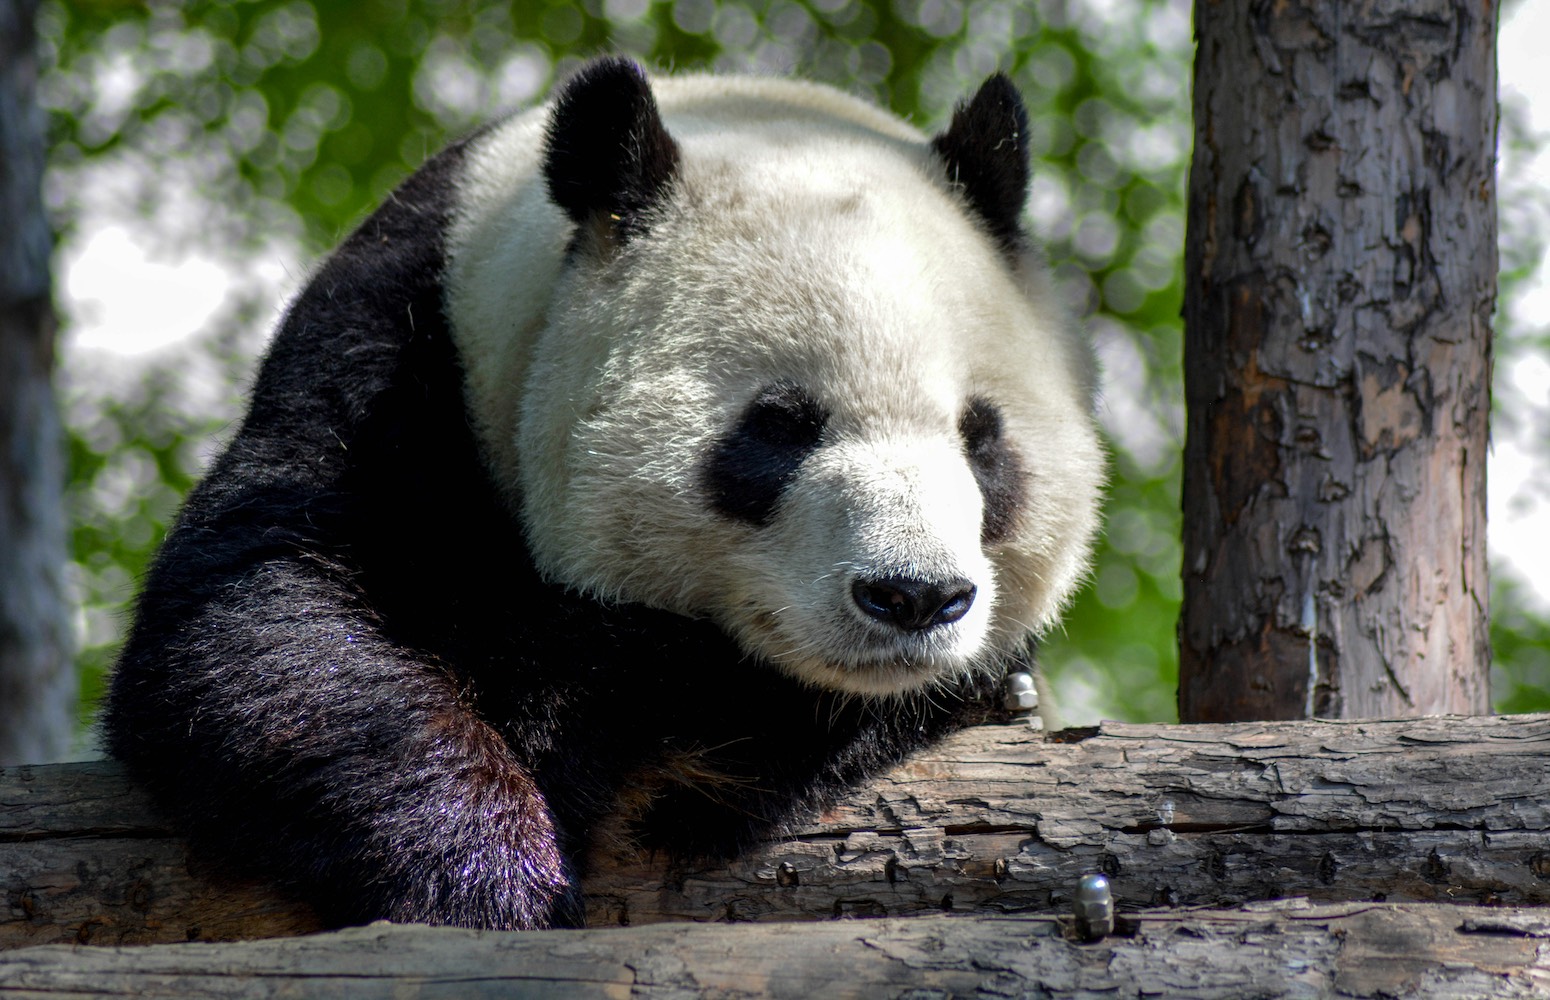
752	465
986	151
997	469
346	676
608	157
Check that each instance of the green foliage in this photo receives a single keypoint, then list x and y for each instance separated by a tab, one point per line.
1520	648
1520	628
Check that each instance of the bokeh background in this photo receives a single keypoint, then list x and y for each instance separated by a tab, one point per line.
204	154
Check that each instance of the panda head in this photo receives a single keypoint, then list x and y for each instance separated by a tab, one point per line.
797	371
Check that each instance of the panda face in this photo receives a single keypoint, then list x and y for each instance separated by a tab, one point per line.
805	394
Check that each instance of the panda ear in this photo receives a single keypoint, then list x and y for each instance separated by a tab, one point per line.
607	156
986	152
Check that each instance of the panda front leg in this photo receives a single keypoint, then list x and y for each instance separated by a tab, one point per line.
778	754
295	742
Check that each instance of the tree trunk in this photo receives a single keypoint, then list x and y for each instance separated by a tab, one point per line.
38	689
1340	275
994	820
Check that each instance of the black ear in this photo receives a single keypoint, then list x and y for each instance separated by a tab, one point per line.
986	152
607	156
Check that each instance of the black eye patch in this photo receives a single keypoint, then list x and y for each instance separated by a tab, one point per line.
997	469
753	463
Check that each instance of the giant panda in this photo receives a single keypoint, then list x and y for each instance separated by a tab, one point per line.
655	463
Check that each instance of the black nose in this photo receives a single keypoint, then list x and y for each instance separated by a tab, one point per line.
914	605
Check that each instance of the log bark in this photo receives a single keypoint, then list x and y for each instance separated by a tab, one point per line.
1340	277
1287	950
995	820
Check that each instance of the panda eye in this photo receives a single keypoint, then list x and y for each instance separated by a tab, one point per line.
783	416
749	468
980	428
997	469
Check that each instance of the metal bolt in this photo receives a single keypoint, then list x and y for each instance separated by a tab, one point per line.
1020	693
1093	905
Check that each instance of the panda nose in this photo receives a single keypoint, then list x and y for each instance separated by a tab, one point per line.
913	605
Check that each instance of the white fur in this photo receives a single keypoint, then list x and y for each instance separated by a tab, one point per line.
813	238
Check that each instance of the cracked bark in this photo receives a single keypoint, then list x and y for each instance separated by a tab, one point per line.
1340	277
993	821
1286	950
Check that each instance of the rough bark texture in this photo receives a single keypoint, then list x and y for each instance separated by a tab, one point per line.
1289	950
1340	277
991	822
37	680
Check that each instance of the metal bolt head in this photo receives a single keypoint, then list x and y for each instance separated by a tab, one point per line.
1093	905
1020	695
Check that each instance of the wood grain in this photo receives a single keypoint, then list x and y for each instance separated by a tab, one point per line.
1285	950
994	821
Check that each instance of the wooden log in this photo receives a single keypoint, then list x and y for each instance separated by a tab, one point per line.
995	820
1283	950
